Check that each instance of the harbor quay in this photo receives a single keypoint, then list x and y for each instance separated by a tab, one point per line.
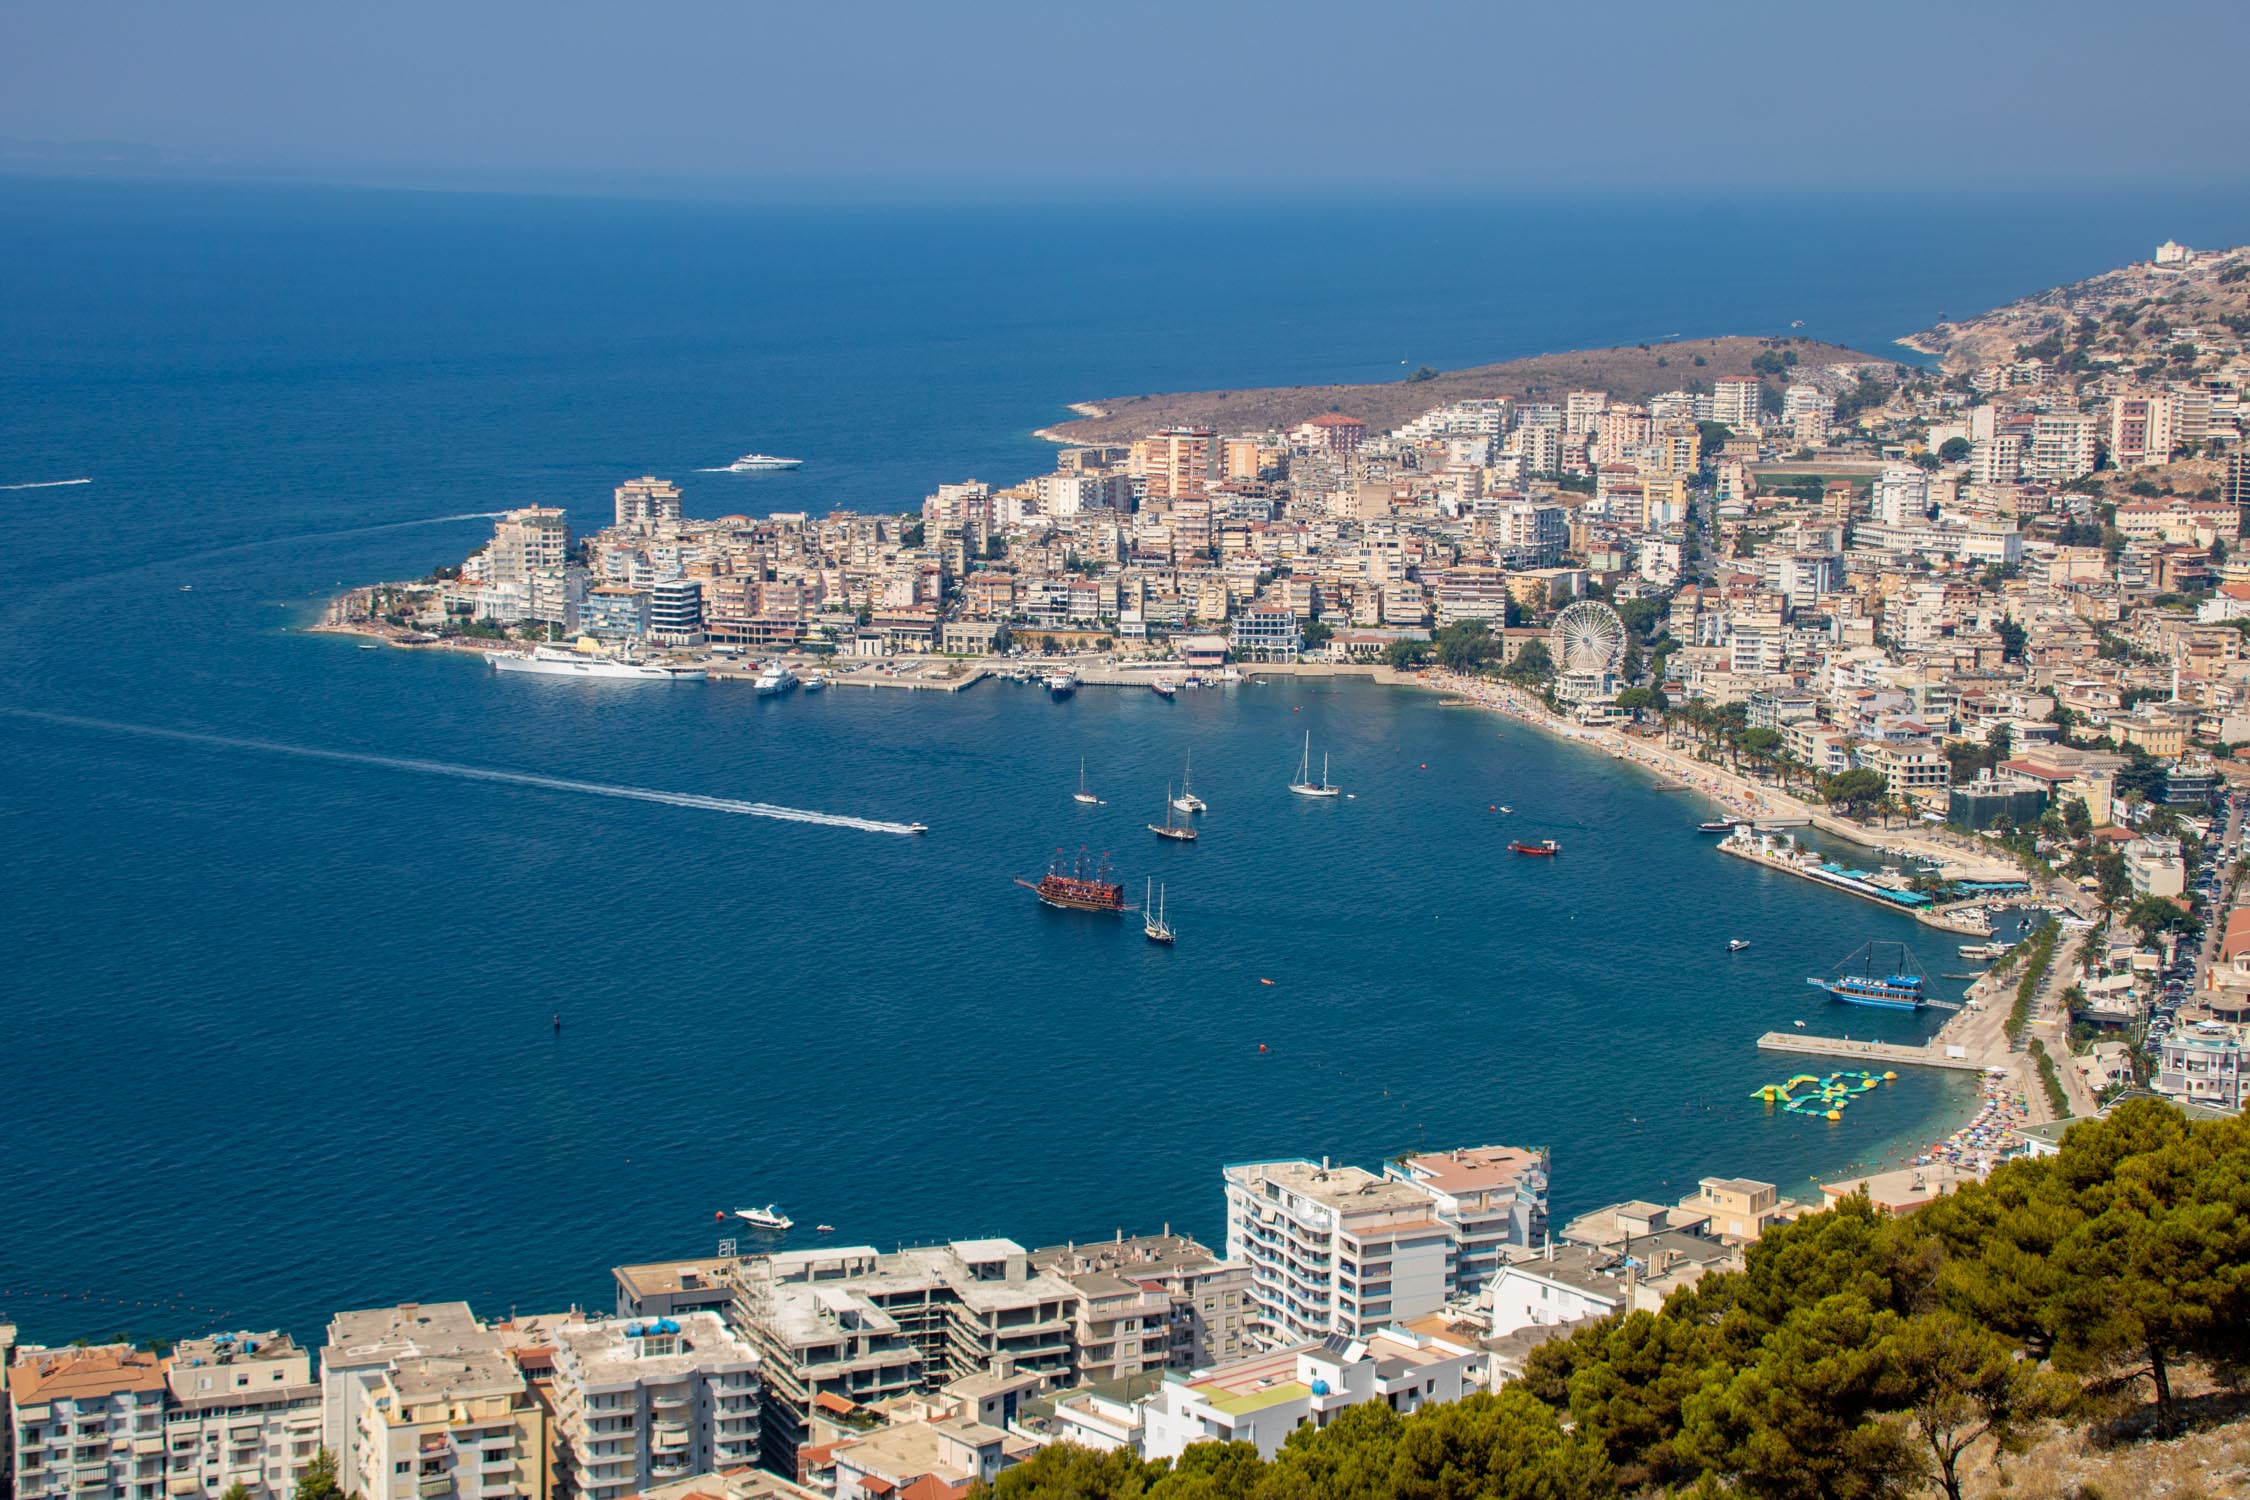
772	1369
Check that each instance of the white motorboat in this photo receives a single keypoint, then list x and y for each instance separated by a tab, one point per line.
768	1217
776	678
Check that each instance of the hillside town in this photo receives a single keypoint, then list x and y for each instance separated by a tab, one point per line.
1987	617
1996	601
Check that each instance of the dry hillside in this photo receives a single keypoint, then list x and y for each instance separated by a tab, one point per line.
1633	373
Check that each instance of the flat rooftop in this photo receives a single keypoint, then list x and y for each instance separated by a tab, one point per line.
671	1276
1345	1189
1474	1168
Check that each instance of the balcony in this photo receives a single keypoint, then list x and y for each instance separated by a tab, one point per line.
433	1485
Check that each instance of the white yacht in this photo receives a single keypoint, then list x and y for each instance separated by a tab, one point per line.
776	678
760	463
768	1217
556	661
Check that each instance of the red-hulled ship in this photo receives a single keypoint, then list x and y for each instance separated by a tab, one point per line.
1547	848
1078	885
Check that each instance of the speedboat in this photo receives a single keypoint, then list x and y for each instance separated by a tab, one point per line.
815	683
1736	945
1162	689
768	1217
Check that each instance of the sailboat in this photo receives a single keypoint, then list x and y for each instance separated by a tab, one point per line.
1184	832
1187	801
1152	918
1304	785
1082	795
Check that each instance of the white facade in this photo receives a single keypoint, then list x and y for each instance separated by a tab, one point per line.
240	1409
87	1423
1263	1399
643	1401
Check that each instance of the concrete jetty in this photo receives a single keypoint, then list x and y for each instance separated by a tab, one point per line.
1928	1055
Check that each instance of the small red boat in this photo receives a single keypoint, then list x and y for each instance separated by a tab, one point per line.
1546	848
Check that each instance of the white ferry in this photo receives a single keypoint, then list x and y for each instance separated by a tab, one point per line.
776	678
760	463
554	661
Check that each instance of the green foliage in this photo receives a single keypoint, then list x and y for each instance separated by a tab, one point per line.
2039	957
1466	647
1855	790
1533	665
1406	655
319	1479
1954	450
1421	374
1316	633
2058	1098
2012	639
235	1491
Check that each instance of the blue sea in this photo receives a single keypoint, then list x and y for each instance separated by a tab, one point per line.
278	1029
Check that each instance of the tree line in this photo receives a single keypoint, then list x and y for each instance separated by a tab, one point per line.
1856	1356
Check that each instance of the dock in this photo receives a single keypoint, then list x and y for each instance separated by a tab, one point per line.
1927	1055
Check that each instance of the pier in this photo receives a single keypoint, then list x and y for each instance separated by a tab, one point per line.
1933	1054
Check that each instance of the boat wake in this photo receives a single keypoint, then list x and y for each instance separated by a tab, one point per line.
44	484
695	800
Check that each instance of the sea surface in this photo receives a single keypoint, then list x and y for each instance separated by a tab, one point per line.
277	1031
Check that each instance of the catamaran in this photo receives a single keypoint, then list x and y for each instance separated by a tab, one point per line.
1082	795
1152	918
1304	785
1187	801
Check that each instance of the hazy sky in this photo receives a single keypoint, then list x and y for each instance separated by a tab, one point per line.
1801	95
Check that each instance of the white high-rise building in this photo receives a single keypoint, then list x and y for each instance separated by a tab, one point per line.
2062	447
643	1401
1902	495
1734	401
649	505
527	541
1336	1249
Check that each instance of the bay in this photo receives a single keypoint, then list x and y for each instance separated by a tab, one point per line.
278	1029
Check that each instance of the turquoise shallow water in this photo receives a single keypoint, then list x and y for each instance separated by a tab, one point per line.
277	1029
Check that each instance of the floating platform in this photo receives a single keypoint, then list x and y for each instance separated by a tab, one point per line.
1828	1095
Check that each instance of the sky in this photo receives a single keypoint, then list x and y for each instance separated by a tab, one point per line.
1064	97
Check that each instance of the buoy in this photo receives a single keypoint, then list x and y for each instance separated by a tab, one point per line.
1492	807
1425	765
718	1213
1261	1046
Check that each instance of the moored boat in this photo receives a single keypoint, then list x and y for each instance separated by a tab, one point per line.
775	679
1082	795
1162	688
1061	684
1882	975
555	661
1545	848
1716	825
768	1217
1179	832
1187	801
1304	785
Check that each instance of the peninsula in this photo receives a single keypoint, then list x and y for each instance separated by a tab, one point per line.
1632	373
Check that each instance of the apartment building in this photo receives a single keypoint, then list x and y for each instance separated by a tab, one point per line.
240	1408
87	1423
1334	1249
1262	1399
641	1401
1205	1300
649	506
2155	866
2203	1064
2063	447
1178	463
1734	401
1491	1198
422	1402
2140	429
855	1325
1909	767
531	540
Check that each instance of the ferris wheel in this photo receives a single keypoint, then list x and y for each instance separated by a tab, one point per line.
1587	637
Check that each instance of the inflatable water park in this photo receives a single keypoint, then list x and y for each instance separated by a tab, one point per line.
1828	1095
